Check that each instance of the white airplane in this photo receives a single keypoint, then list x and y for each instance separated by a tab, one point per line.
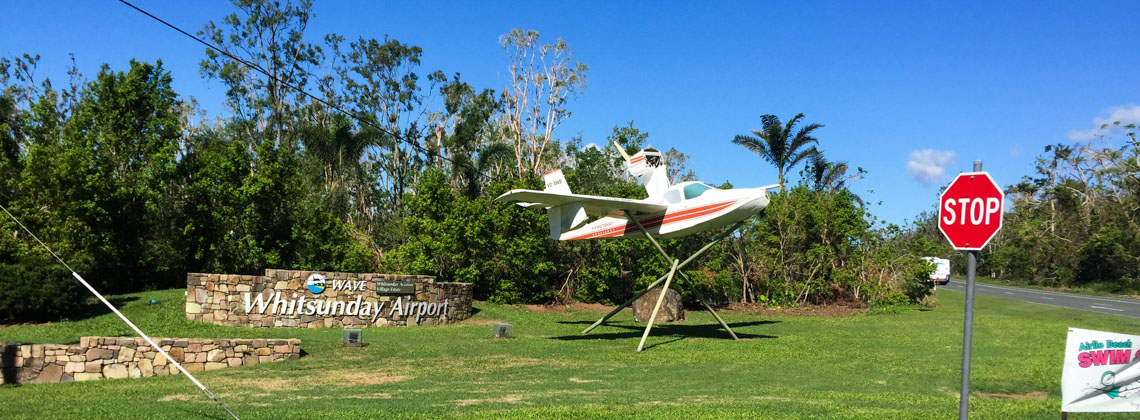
669	212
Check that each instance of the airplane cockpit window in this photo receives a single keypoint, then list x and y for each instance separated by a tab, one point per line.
694	190
673	196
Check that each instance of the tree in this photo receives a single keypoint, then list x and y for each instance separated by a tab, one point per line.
269	37
776	144
542	80
380	83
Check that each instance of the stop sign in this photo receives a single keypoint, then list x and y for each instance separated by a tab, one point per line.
970	210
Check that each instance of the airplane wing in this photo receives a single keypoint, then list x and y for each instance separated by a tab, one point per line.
594	205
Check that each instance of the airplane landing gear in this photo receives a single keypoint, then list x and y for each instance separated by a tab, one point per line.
675	269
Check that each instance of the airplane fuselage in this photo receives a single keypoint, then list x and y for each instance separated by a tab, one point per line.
709	209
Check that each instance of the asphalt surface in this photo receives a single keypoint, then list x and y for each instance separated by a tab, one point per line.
1103	304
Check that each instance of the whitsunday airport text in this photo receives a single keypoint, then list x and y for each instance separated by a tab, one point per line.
297	306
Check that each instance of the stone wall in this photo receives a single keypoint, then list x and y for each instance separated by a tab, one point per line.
122	357
224	298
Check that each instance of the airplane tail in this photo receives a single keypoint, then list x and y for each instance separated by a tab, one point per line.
648	166
567	216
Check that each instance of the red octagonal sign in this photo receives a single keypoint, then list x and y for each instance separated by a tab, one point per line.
970	210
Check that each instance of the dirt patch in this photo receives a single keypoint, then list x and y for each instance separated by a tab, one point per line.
509	399
645	403
582	381
376	396
578	306
771	398
485	321
177	397
363	378
272	384
1035	395
840	309
338	378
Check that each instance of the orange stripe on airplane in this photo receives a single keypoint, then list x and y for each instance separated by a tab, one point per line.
656	221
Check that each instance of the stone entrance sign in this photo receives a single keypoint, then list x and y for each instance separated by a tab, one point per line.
317	299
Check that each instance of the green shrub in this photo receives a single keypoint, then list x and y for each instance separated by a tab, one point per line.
36	291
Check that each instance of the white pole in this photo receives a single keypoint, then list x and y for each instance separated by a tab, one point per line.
122	317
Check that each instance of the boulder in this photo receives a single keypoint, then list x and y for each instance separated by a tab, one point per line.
671	309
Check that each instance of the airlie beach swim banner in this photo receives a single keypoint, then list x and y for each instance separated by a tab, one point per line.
317	299
1101	373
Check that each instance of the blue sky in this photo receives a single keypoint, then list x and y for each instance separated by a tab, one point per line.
911	91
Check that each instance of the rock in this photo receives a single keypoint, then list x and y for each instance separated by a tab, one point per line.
126	354
51	373
73	367
671	309
99	353
80	377
94	366
115	371
193	308
146	368
159	360
214	365
176	354
216	355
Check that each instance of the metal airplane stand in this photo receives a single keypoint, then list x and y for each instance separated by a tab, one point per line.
674	270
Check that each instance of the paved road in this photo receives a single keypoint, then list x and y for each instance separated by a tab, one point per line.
1106	305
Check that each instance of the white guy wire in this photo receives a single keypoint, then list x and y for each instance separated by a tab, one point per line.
123	317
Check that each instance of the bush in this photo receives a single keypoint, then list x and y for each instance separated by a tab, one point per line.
37	291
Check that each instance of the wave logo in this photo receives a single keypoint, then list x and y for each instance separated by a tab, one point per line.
315	283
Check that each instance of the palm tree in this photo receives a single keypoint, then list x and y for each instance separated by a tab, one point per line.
830	177
776	144
827	176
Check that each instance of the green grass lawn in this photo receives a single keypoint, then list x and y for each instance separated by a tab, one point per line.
879	365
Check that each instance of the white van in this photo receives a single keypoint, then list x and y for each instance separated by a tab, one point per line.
941	274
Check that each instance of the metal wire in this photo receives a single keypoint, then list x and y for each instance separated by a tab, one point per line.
120	315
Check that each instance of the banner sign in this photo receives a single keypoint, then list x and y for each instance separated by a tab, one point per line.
1101	373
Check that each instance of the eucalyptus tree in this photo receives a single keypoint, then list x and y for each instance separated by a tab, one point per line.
265	91
776	143
542	79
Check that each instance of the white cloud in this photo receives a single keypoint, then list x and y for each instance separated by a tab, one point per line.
1104	125
928	165
591	145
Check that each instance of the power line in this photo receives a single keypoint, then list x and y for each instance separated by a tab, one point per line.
258	68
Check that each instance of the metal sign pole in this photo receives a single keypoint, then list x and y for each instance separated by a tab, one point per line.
968	329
